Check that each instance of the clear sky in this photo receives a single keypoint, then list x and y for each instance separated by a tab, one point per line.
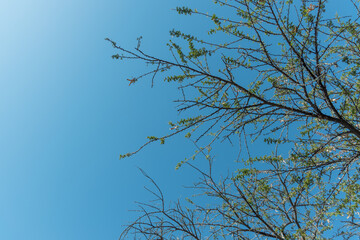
67	113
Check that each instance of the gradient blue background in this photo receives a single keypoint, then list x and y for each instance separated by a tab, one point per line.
67	113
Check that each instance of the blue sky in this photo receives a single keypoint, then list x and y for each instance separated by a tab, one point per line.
67	113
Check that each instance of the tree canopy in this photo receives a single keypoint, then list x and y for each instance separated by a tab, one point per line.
280	71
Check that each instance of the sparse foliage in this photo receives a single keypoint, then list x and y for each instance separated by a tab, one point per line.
280	71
